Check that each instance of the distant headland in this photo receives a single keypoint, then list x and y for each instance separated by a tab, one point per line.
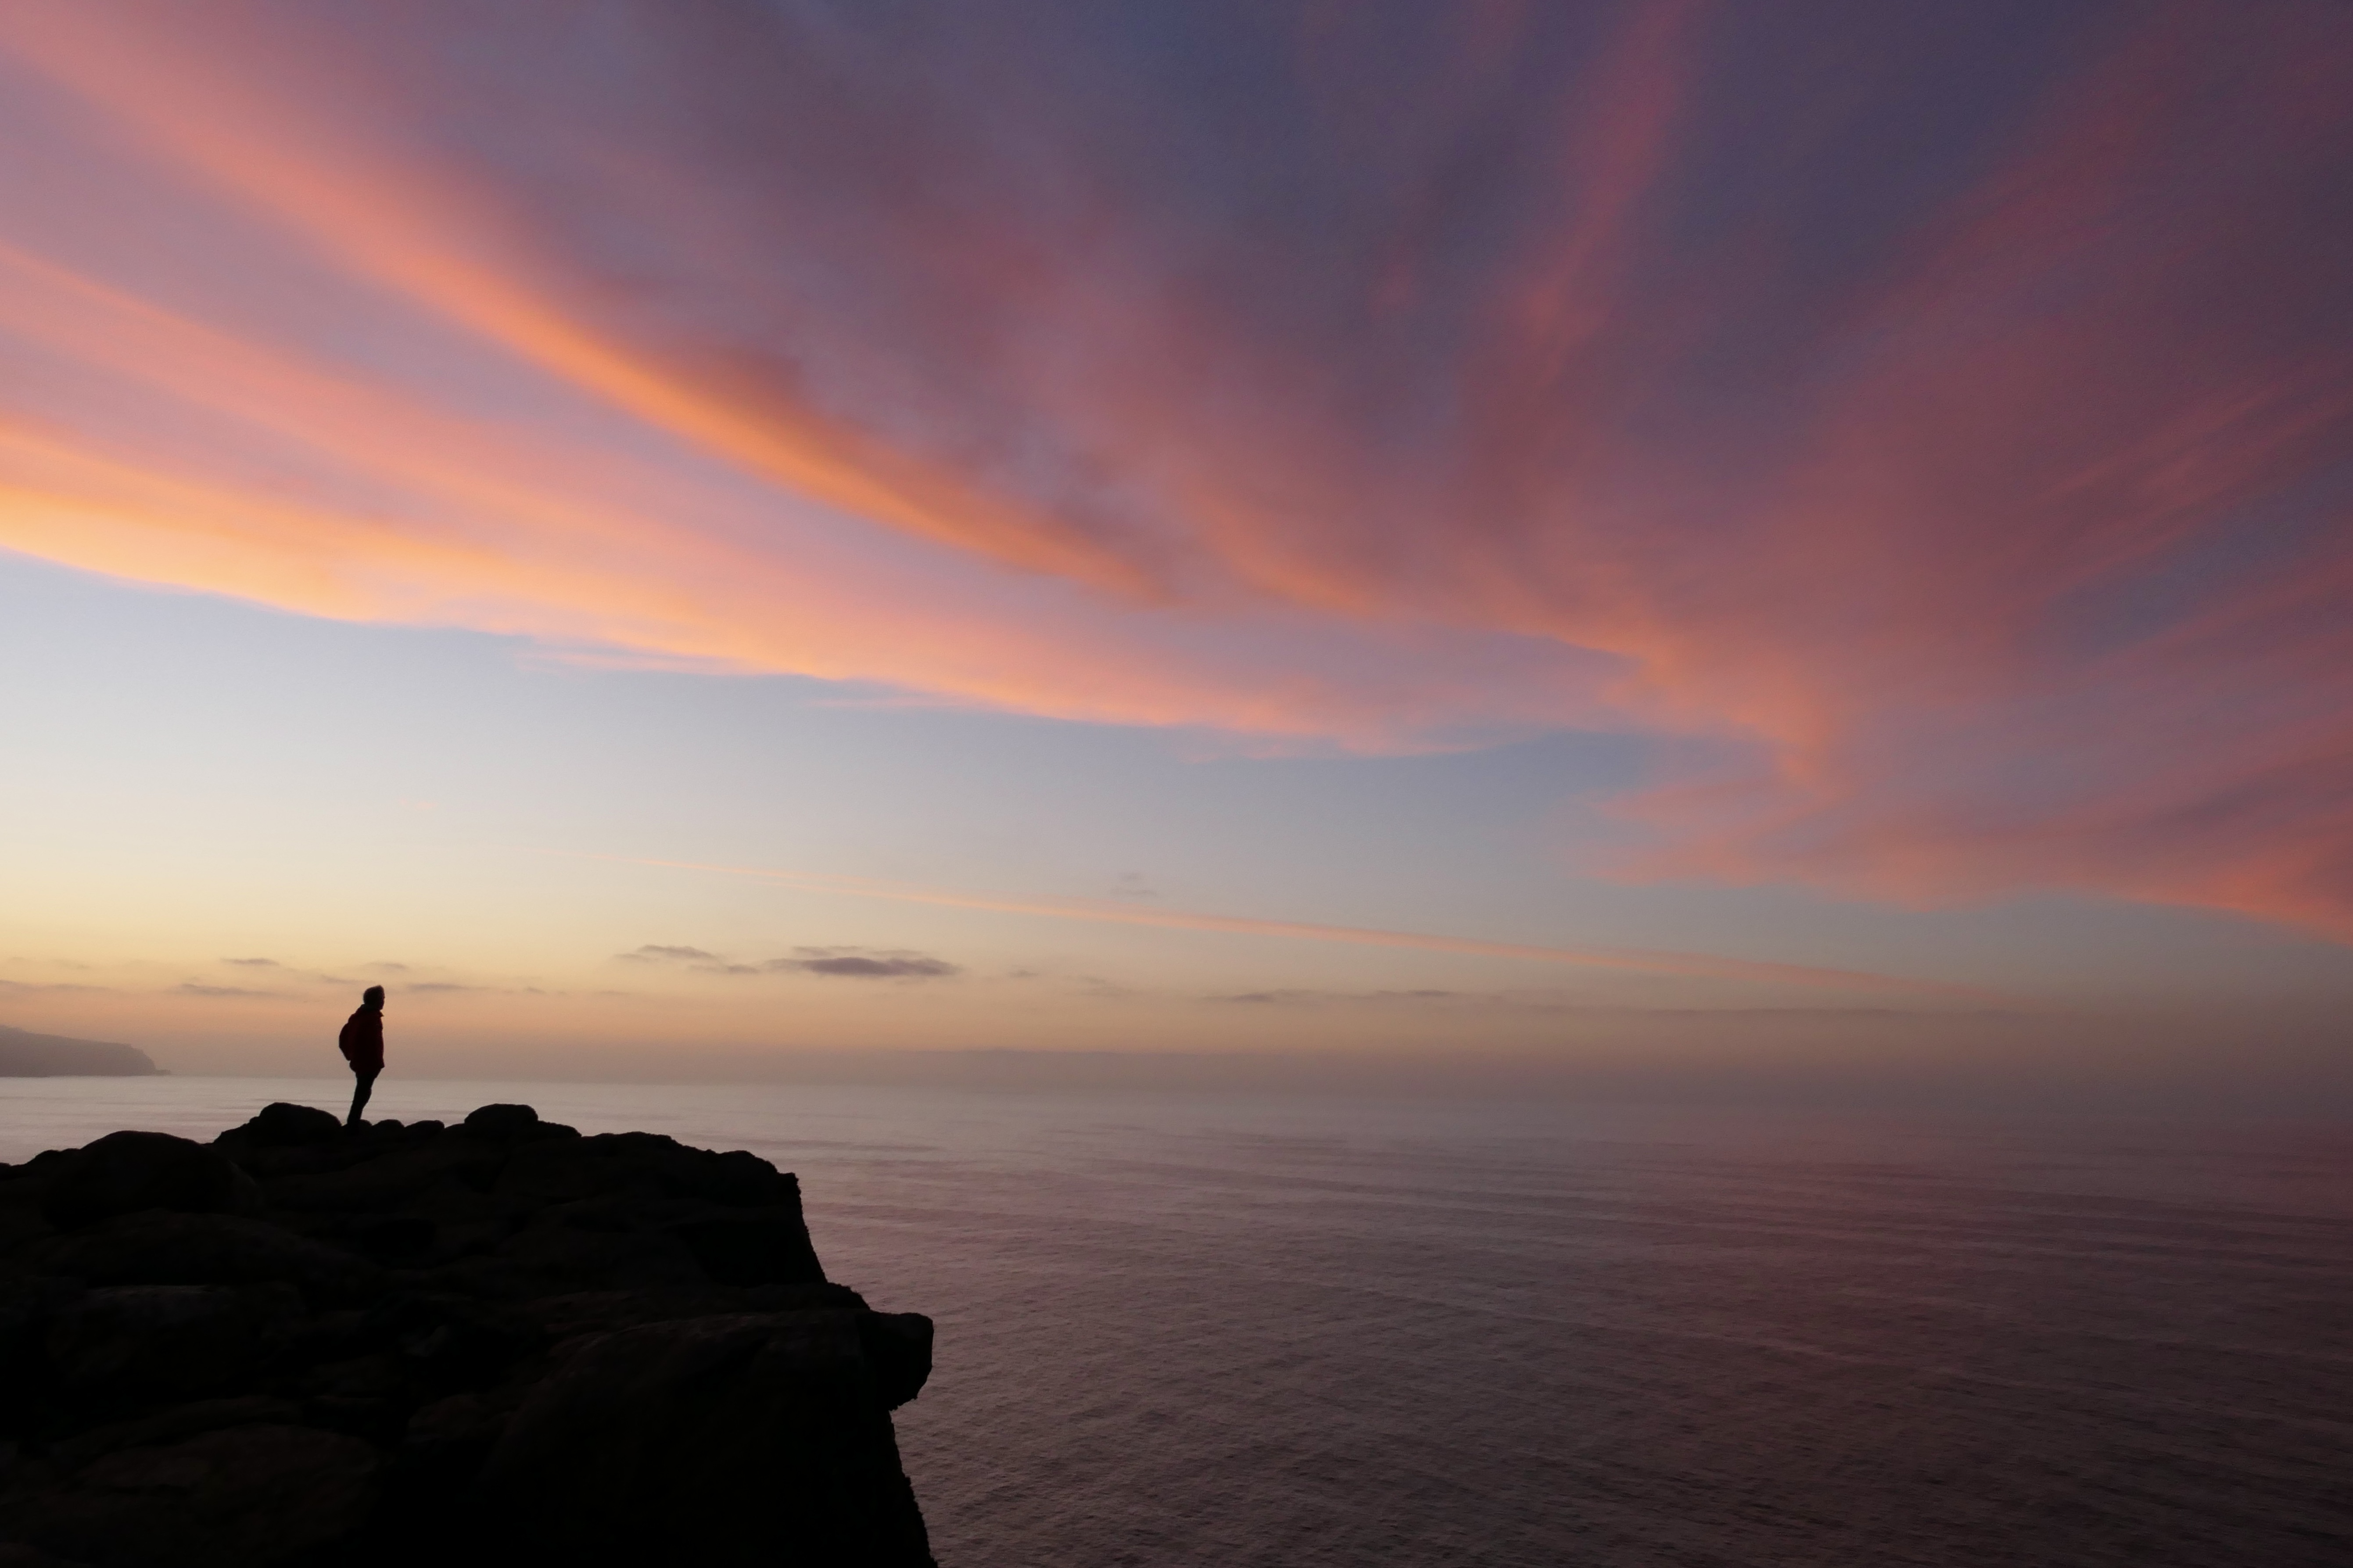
26	1054
485	1346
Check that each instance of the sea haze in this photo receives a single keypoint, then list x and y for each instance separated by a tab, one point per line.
1291	1332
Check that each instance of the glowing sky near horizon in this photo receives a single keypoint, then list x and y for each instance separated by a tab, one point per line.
1844	506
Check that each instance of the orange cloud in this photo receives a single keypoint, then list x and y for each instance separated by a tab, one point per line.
421	515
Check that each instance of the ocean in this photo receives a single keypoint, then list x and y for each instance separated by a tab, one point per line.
1297	1333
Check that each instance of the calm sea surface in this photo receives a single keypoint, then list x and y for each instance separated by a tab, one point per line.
1187	1331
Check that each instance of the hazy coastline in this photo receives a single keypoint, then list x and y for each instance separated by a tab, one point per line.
24	1053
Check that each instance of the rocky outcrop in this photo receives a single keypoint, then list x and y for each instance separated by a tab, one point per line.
495	1343
26	1054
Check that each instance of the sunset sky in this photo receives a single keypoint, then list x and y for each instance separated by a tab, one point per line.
1648	544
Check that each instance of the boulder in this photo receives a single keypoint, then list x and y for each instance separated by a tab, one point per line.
27	1302
124	1173
503	1122
394	1238
751	1246
387	1181
245	1497
898	1347
14	1554
171	1425
142	1343
718	1441
449	1343
279	1125
550	1258
645	1165
154	1249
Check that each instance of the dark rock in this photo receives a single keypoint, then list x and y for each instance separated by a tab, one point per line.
27	1302
547	1258
496	1343
388	1180
459	1421
897	1348
206	1249
449	1341
377	1376
15	1556
394	1239
171	1425
504	1122
332	1334
718	1441
579	1314
643	1164
124	1173
21	1219
172	1341
825	1297
283	1126
738	1247
745	1181
245	1497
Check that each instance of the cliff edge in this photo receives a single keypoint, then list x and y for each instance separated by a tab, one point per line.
499	1342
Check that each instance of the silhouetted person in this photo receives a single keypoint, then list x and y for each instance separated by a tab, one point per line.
362	1043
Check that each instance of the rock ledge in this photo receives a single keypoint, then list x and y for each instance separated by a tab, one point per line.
495	1343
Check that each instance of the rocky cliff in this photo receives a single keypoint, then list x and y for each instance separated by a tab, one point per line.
495	1343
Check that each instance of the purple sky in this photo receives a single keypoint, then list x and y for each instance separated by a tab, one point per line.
1874	479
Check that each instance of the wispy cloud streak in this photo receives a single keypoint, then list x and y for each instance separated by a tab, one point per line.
1639	960
1946	405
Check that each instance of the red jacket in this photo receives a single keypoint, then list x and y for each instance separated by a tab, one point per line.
361	1041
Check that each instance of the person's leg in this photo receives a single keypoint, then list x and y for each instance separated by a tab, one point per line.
360	1098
